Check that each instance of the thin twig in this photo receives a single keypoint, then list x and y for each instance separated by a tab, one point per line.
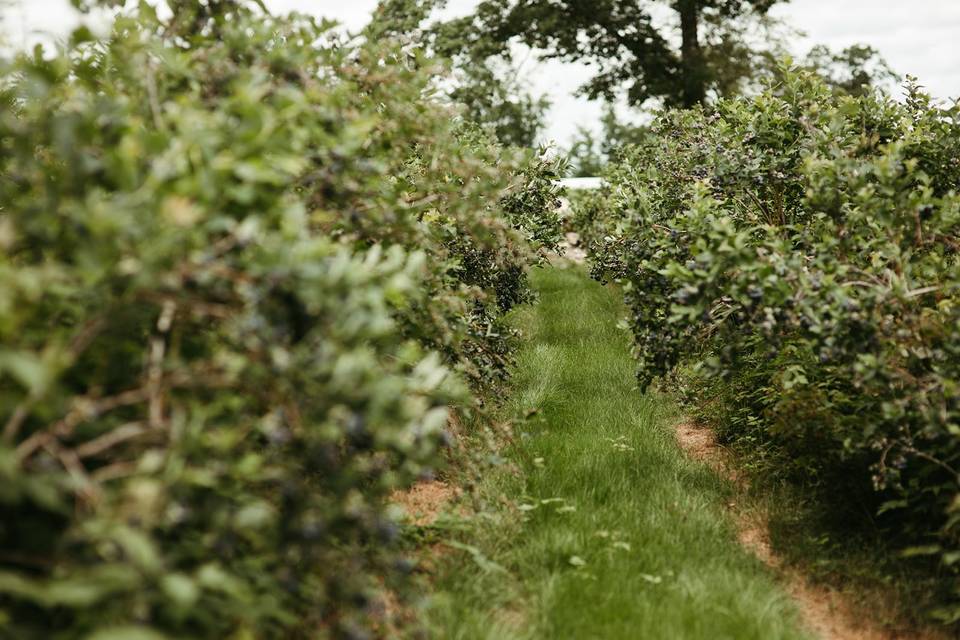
111	438
158	347
153	99
114	471
90	329
78	345
84	408
929	458
760	206
16	419
922	291
88	491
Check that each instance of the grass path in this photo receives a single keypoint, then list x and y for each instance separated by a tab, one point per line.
603	528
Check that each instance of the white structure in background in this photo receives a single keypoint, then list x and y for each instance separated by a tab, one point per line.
575	184
570	246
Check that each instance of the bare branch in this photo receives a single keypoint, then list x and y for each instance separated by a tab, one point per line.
112	438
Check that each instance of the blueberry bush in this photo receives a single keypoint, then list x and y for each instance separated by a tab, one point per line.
249	268
796	256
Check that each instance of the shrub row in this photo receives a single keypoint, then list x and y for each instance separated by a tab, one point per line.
798	253
248	268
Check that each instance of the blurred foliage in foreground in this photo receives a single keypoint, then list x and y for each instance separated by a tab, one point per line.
802	250
247	271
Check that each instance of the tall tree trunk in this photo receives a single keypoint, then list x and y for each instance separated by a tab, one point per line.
694	78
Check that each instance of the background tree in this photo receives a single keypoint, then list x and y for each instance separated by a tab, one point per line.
190	19
624	39
489	90
496	100
856	70
590	151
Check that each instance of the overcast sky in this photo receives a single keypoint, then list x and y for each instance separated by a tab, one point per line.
919	37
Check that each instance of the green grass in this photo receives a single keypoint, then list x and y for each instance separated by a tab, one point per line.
633	540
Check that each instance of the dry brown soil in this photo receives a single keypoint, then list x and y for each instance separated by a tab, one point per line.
424	501
825	611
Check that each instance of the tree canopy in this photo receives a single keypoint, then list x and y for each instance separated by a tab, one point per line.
626	41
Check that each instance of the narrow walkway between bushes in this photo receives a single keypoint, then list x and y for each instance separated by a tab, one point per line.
613	532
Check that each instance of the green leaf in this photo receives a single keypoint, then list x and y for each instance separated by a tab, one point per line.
891	505
82	589
925	550
127	632
27	368
478	557
180	588
138	547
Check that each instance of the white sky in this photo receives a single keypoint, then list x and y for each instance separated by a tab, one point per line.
919	37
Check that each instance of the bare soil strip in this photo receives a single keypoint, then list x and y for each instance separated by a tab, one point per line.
571	249
424	501
825	611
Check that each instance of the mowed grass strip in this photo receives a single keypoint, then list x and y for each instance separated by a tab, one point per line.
600	528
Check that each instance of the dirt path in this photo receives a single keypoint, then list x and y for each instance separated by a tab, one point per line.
825	611
571	249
